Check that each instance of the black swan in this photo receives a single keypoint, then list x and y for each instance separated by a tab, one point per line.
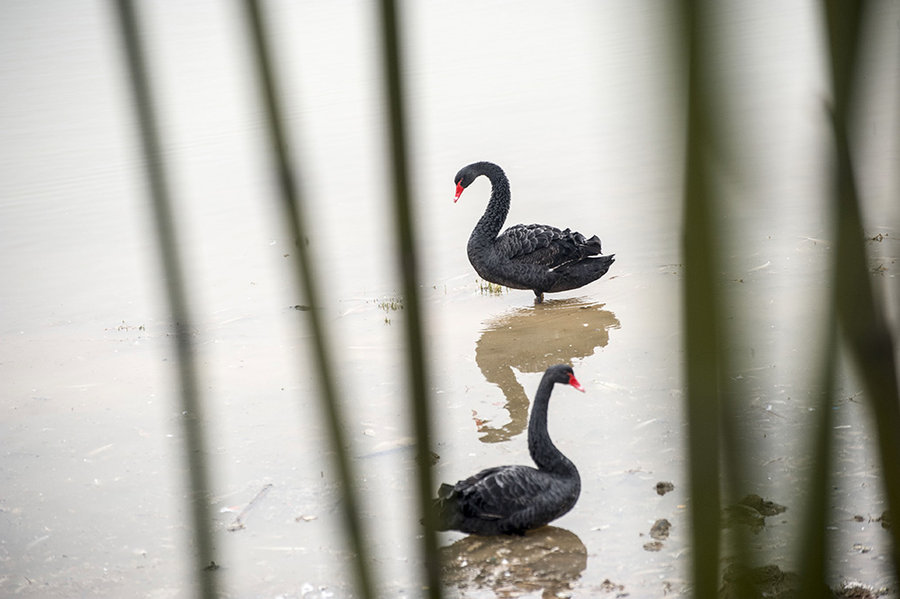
515	499
537	257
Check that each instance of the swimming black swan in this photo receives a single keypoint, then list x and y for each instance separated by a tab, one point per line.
537	257
514	499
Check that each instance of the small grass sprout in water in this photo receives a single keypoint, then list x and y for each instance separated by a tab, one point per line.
390	304
123	326
488	288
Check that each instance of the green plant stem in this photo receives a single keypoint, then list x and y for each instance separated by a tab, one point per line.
406	252
192	419
291	205
701	323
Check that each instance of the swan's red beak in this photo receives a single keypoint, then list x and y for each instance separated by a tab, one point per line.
574	382
459	190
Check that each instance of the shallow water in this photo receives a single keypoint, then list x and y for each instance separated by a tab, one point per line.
583	116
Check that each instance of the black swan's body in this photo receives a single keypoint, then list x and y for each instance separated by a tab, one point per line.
514	499
537	257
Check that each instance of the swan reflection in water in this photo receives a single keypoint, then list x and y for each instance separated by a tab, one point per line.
549	559
531	340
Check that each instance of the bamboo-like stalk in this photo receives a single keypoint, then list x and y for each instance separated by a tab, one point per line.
701	319
292	207
407	262
192	421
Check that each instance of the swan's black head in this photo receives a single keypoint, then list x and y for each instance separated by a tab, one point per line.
469	173
563	373
464	178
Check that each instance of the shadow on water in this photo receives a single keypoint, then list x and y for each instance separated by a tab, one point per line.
531	340
548	559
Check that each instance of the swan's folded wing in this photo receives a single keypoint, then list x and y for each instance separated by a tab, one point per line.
545	245
497	493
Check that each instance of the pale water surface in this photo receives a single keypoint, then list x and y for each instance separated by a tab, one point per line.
581	104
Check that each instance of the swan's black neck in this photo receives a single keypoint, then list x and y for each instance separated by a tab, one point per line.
540	446
491	222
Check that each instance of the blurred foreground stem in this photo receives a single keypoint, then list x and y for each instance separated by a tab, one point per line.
406	252
701	319
176	295
324	374
860	314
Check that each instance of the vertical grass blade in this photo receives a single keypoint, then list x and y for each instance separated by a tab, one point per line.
291	206
861	316
176	295
406	252
701	319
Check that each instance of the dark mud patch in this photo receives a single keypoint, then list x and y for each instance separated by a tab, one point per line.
549	560
608	586
857	590
764	581
751	511
771	582
659	532
663	487
660	529
763	506
653	546
884	519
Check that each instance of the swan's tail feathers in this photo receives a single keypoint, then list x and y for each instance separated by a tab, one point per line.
605	261
593	242
591	269
578	274
599	265
578	243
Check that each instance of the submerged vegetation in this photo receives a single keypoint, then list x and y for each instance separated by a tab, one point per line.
488	288
391	304
124	326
